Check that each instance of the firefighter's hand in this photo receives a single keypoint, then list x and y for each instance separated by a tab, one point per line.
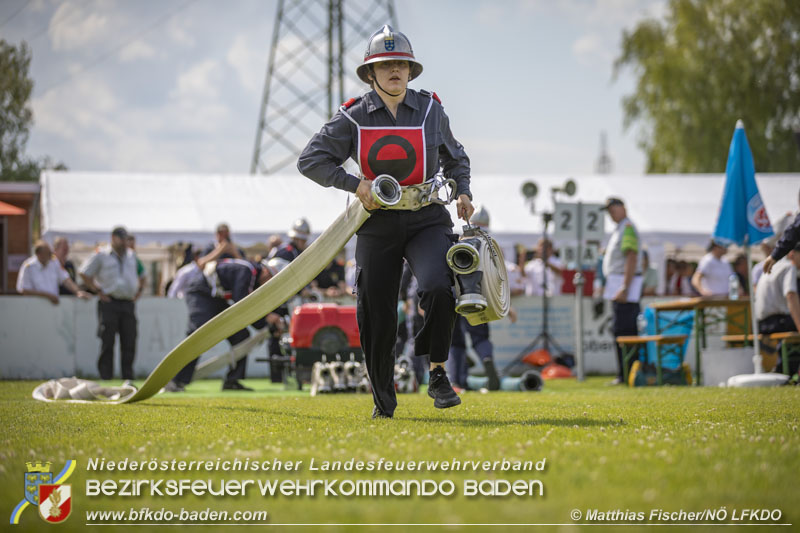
464	207
364	193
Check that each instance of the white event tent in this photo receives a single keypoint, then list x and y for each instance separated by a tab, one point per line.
678	209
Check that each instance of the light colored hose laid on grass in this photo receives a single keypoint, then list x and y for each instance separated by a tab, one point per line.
257	304
232	356
260	302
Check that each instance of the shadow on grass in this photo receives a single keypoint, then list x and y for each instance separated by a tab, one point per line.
579	421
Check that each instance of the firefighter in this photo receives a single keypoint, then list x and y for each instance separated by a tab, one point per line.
207	295
298	239
404	133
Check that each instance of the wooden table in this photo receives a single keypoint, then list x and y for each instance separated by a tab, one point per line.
702	320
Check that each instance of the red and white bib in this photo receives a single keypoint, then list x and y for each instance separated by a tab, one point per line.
395	150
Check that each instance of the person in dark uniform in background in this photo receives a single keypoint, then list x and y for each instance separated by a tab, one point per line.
478	334
222	248
298	239
406	134
207	295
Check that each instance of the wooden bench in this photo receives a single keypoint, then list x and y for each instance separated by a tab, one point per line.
790	343
664	344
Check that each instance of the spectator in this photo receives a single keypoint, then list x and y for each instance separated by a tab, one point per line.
741	271
543	280
61	251
649	276
713	274
777	305
41	275
130	242
670	270
207	296
680	284
111	273
620	266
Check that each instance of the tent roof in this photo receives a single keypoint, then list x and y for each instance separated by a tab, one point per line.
168	208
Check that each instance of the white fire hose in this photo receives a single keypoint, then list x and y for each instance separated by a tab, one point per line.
260	302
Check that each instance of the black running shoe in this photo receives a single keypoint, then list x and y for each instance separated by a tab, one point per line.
441	391
377	413
235	385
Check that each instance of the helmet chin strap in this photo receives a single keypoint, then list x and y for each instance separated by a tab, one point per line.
384	90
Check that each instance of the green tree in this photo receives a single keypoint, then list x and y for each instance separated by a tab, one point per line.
707	64
16	116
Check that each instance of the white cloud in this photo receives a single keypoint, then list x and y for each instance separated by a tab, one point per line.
599	13
69	32
177	31
592	49
249	62
199	82
136	50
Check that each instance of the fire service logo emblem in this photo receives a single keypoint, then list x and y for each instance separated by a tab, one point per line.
46	491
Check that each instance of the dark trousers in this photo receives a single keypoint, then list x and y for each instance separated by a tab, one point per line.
457	363
779	324
202	308
624	323
423	238
116	317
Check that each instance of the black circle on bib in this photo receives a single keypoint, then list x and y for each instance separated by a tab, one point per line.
399	169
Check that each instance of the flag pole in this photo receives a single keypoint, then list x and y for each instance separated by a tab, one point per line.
757	363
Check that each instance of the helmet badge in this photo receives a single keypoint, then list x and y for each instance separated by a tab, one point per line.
388	42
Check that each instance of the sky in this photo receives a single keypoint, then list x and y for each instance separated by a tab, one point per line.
176	85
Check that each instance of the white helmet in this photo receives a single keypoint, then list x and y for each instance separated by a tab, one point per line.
388	45
274	265
300	229
480	217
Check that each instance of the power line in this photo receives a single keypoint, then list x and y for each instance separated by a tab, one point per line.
65	15
111	52
17	12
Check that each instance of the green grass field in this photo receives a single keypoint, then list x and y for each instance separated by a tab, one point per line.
606	448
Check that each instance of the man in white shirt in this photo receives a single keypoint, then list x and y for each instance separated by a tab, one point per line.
713	273
111	272
777	304
541	279
42	275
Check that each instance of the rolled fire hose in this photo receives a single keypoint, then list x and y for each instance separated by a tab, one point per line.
530	381
465	258
257	304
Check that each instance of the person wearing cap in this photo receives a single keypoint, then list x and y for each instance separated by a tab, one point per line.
42	275
620	266
713	273
207	294
111	274
406	134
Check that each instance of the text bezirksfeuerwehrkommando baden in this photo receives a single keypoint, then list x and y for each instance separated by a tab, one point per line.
314	465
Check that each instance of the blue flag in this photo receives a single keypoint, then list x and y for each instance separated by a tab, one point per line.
742	213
